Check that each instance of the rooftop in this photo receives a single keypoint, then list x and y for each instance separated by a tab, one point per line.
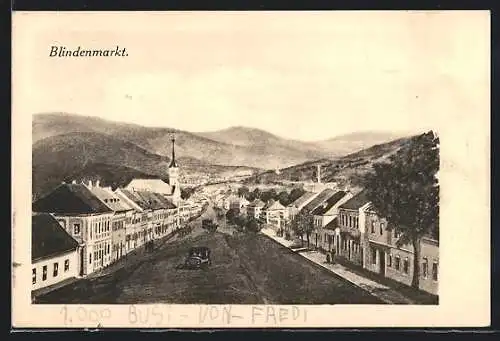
48	237
110	199
70	199
302	199
318	200
329	203
150	185
356	202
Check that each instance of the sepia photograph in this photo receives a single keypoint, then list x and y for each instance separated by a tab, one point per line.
232	159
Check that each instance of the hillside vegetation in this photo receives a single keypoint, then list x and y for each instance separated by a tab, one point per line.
349	170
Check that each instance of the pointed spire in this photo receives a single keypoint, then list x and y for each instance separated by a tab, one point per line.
173	163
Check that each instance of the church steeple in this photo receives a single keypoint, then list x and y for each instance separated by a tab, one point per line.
173	172
173	163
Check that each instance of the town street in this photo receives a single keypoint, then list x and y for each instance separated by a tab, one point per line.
246	269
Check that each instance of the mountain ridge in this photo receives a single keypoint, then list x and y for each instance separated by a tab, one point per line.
233	146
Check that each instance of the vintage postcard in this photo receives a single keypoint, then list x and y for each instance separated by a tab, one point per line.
251	169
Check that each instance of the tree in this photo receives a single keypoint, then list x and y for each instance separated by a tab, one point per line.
284	198
252	225
187	192
405	191
256	193
303	224
295	194
231	215
243	191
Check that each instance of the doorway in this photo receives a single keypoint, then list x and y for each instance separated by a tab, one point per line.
382	262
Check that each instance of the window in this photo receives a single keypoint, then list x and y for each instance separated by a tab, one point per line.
44	273
66	265
406	265
381	228
76	228
435	271
425	267
56	269
90	258
389	261
373	227
350	221
108	248
374	256
397	262
33	275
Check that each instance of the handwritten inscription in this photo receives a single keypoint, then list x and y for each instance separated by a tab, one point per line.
162	315
90	315
276	315
145	315
222	314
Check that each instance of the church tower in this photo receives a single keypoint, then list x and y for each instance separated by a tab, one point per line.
173	169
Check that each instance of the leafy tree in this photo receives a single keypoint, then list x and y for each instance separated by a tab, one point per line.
284	198
406	192
295	194
187	192
243	191
240	221
256	193
303	224
231	215
268	195
252	225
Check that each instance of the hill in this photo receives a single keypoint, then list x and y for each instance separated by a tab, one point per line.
157	141
348	170
74	155
236	146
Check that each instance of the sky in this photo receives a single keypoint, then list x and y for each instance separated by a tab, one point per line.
300	75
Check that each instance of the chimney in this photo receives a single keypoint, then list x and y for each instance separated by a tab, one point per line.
97	183
90	183
73	182
319	174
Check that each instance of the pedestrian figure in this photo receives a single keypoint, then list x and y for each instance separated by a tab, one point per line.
328	258
333	256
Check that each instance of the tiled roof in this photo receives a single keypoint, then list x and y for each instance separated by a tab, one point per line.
136	198
322	209
48	237
273	205
150	185
148	200
302	199
356	202
70	199
166	203
320	198
110	199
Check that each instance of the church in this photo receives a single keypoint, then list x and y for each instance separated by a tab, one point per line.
171	190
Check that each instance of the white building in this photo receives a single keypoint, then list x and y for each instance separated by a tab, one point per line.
172	190
54	253
85	218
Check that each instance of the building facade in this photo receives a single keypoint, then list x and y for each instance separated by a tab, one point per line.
85	218
350	240
323	237
386	258
54	253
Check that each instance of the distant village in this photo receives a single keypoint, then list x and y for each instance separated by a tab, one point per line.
81	228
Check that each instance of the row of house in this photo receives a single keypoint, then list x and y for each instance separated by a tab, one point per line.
81	228
347	224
